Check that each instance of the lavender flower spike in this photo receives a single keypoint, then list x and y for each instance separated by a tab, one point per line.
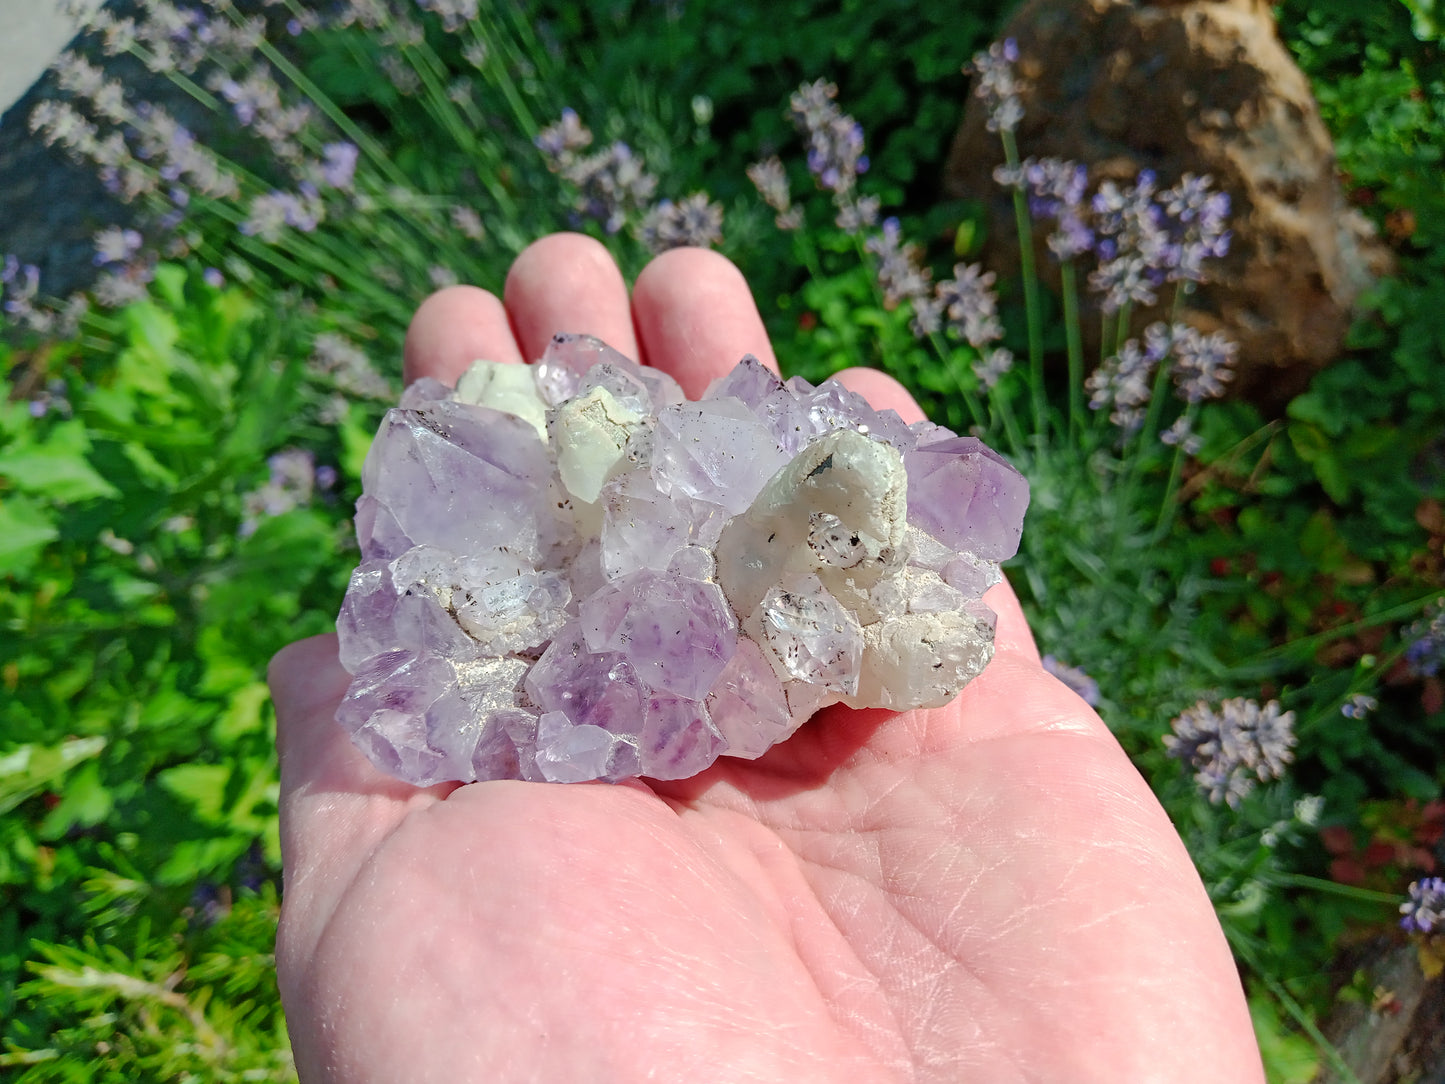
1125	381
694	221
900	273
771	181
1233	747
1358	706
971	304
563	139
1075	679
835	140
1203	364
1424	911
338	166
1427	646
115	245
998	86
1055	189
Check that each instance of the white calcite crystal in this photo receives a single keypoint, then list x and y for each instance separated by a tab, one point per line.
570	572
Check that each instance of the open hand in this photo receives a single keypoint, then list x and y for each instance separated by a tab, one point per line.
983	892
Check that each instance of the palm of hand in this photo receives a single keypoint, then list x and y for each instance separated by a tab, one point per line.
986	891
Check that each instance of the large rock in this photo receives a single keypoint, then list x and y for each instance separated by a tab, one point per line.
1201	86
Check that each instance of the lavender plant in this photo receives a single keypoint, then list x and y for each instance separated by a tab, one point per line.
164	468
300	187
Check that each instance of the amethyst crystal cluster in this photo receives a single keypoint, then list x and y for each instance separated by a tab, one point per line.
572	572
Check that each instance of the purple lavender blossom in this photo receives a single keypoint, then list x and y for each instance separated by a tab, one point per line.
1203	364
971	305
1427	643
991	366
835	140
1233	747
115	245
347	366
454	14
1054	188
293	474
771	180
123	286
1133	246
611	184
1181	435
772	184
19	287
476	53
856	215
1075	679
402	75
563	139
468	223
1358	706
998	85
1424	911
338	164
212	276
694	221
22	283
902	277
1126	380
273	212
1197	218
257	104
55	398
253	96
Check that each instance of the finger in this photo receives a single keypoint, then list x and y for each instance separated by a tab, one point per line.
696	317
568	283
336	807
453	328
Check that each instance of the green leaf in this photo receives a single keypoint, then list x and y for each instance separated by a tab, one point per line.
356	437
85	801
1429	22
1288	1059
170	284
191	859
149	467
28	770
57	467
244	715
201	785
25	529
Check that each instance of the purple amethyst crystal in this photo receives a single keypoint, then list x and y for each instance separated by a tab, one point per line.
571	573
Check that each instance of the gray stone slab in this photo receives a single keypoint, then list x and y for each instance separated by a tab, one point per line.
35	31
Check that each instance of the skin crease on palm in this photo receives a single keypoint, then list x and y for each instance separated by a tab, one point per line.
983	892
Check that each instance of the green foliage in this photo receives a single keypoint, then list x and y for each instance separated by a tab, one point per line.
146	585
138	773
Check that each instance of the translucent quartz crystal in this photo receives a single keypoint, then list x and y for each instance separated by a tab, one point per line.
570	572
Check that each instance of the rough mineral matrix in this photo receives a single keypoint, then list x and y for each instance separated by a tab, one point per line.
571	572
